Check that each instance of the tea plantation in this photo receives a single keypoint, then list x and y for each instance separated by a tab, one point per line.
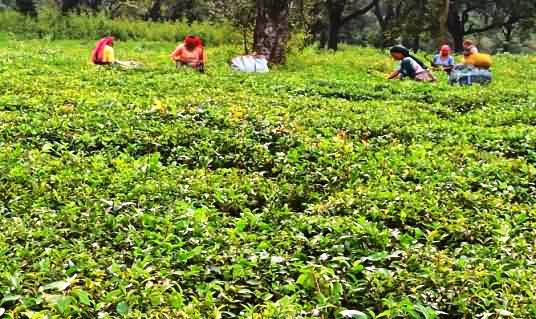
319	190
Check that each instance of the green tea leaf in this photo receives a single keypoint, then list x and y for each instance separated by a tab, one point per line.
57	285
84	298
122	308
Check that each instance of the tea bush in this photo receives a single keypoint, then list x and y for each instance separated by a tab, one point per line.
318	190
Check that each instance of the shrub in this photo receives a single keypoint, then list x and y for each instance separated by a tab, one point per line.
50	24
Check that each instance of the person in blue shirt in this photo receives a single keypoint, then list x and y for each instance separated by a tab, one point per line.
443	60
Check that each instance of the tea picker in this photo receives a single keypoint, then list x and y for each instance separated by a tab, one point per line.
474	69
104	54
410	66
191	54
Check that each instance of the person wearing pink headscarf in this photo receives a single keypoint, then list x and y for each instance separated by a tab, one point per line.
103	54
444	60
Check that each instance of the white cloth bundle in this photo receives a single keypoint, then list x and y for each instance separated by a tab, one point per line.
250	63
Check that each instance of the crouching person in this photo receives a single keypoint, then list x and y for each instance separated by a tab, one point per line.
191	53
443	61
104	54
476	67
410	66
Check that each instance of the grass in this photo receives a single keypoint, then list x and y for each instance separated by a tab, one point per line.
314	189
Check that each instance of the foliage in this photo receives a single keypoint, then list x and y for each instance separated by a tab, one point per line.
315	191
419	24
240	13
52	25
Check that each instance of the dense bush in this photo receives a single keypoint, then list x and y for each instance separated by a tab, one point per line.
52	25
302	193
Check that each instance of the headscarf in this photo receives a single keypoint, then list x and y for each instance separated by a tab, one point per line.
193	41
96	55
198	42
445	50
189	41
405	52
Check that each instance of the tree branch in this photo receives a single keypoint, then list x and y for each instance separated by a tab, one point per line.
496	25
492	26
359	12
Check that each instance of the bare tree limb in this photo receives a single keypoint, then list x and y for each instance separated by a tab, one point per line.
359	12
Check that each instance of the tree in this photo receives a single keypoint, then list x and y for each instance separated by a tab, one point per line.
473	17
513	16
27	7
191	10
305	16
318	26
155	11
416	21
389	14
411	21
241	14
272	29
337	19
443	36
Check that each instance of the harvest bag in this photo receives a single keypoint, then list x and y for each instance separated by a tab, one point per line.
467	75
250	63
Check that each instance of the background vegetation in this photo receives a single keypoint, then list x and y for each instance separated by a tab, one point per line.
54	26
497	25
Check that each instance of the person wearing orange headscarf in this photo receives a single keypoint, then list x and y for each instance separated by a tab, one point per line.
103	54
190	53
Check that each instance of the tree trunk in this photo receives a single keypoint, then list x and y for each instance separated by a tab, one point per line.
318	33
412	41
457	37
95	4
416	28
416	43
68	5
385	17
333	36
272	29
456	29
155	13
27	7
245	40
443	37
508	35
323	39
335	20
